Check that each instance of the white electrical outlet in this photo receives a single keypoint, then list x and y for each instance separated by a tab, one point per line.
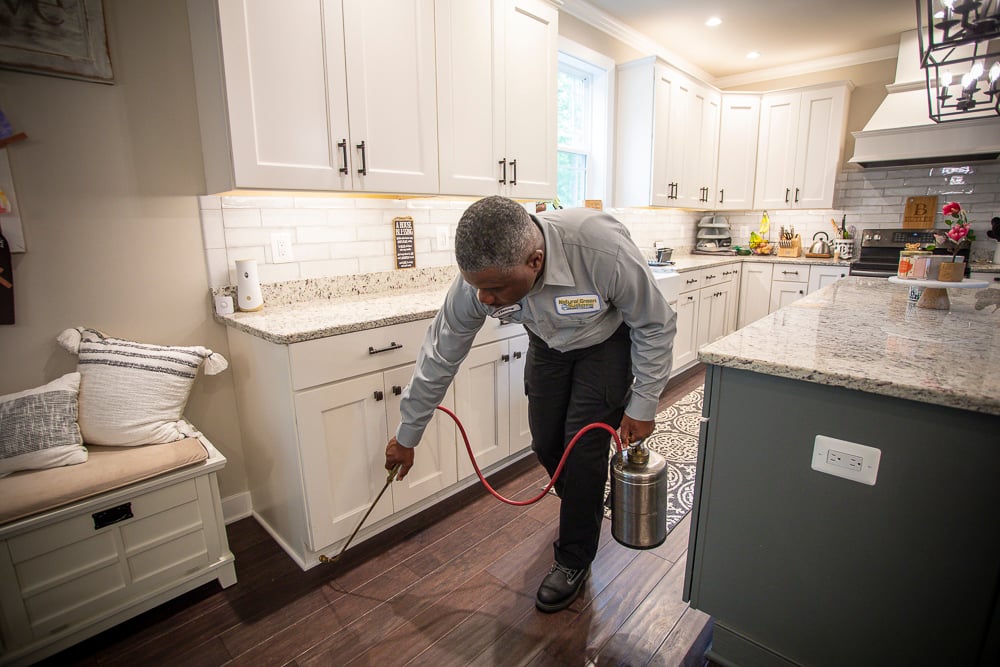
442	237
281	247
846	459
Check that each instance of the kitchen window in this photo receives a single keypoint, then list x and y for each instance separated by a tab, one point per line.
584	109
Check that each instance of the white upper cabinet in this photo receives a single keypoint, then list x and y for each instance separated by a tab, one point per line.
737	151
316	94
798	154
496	76
667	137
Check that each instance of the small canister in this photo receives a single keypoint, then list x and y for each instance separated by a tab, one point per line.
906	258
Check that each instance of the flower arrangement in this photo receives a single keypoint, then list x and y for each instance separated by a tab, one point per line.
959	235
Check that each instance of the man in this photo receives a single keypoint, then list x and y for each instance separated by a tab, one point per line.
594	316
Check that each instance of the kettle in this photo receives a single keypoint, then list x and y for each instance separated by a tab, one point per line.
821	246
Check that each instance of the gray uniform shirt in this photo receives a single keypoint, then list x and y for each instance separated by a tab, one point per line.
593	279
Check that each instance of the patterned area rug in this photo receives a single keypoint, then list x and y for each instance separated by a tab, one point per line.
676	439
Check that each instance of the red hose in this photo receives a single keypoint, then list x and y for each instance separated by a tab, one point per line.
555	475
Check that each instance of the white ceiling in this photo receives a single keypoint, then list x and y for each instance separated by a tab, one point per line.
784	32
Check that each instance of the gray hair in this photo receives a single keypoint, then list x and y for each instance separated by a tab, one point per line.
493	233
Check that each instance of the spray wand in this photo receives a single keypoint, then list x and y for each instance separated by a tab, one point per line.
472	457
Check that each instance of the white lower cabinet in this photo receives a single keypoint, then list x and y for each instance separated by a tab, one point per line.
788	284
755	292
317	415
821	276
706	310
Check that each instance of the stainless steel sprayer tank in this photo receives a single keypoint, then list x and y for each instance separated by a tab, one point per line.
639	497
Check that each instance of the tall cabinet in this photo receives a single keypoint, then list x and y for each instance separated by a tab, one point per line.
799	146
667	137
737	151
320	94
496	96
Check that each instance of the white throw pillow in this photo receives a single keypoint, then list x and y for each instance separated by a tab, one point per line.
38	427
135	393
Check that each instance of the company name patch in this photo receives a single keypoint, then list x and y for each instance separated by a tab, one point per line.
578	303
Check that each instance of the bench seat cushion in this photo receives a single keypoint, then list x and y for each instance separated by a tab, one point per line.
107	468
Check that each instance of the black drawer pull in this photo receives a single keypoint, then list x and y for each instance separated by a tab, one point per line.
378	395
392	346
517	355
505	358
396	390
112	516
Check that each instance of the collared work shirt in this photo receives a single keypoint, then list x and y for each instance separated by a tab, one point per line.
593	279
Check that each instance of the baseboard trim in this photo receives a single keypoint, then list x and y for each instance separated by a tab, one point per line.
236	507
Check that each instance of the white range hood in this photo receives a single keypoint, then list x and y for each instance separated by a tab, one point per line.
901	131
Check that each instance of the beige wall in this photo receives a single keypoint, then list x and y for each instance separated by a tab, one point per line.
573	28
106	184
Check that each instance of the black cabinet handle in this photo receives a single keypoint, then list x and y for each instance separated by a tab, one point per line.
396	390
342	145
505	358
722	195
796	195
513	166
392	346
112	515
793	273
787	193
517	355
503	163
379	396
364	161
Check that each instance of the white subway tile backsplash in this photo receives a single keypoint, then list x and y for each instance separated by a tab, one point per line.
354	217
240	201
356	249
217	265
292	217
324	202
212	232
326	234
330	267
242	237
244	217
378	264
278	273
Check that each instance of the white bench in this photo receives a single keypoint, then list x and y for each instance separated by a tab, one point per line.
139	536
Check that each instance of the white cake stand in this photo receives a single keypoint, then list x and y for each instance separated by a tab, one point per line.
935	293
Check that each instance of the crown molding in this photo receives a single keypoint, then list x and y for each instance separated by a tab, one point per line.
606	23
889	52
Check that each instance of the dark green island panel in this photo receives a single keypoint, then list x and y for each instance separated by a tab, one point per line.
800	567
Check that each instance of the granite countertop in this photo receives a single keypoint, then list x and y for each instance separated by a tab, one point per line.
302	310
864	334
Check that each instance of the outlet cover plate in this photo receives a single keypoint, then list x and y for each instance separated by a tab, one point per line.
834	457
281	247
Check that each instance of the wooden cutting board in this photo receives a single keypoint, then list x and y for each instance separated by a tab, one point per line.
920	212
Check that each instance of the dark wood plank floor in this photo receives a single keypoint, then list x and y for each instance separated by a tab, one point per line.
452	586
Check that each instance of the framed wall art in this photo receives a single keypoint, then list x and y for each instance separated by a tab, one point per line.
66	38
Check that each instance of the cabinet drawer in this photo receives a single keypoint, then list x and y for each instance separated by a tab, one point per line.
316	362
792	273
718	275
692	280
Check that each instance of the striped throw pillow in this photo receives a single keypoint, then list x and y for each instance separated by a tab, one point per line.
134	393
38	427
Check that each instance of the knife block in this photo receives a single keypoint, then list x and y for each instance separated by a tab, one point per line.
790	247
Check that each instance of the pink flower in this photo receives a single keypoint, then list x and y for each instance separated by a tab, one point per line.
957	233
951	208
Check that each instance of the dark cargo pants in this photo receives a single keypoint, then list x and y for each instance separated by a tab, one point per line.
566	391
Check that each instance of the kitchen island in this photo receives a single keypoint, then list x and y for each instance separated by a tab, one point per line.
800	567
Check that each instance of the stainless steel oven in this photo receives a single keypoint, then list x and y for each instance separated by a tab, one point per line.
879	256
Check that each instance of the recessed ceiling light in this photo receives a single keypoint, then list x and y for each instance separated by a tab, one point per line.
753	55
714	21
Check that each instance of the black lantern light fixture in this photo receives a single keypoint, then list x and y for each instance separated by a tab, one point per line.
961	65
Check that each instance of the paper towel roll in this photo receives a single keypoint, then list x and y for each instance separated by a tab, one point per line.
248	294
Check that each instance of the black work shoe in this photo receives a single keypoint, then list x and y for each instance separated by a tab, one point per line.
560	587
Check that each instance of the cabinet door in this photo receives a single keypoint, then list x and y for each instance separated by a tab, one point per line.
821	276
471	94
737	151
342	433
821	126
784	292
779	115
434	461
389	47
701	144
482	402
520	433
733	298
686	339
668	140
286	94
755	293
531	34
713	313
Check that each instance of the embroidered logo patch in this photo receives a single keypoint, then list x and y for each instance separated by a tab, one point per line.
578	303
